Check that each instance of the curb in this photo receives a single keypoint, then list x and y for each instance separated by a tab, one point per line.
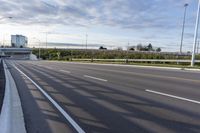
191	69
11	117
137	66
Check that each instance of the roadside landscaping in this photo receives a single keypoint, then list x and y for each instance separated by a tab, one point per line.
116	57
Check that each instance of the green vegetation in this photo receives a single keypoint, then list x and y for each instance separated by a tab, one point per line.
68	54
148	47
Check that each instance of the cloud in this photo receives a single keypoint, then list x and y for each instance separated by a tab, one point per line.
130	14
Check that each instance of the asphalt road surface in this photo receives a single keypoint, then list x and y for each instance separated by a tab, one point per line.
61	97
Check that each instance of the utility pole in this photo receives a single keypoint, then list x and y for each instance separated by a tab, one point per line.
195	36
183	28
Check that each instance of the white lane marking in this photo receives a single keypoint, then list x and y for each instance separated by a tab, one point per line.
69	119
87	76
173	96
65	71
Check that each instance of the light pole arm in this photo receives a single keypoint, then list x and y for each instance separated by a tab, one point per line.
5	17
183	28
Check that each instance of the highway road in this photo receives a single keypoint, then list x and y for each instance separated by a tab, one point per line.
61	97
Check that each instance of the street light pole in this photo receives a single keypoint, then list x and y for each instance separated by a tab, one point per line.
3	40
127	52
183	28
198	48
195	36
3	35
38	48
86	40
46	40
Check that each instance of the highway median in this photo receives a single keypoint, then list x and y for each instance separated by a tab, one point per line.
11	117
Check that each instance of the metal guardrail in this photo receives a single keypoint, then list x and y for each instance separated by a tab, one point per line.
138	60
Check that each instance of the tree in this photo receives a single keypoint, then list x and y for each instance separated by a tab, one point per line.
102	48
145	48
158	50
132	48
150	47
119	48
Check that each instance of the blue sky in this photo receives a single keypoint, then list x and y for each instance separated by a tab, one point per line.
112	23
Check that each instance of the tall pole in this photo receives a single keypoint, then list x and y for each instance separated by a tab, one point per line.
46	40
3	34
127	52
39	52
39	49
86	41
183	28
3	40
198	48
195	36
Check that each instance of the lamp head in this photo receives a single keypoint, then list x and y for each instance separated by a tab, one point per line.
186	4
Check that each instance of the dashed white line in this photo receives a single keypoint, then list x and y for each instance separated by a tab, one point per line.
69	119
65	71
173	96
87	76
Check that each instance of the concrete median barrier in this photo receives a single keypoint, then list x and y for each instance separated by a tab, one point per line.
11	117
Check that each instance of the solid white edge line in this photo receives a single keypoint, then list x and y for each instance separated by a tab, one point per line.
65	71
173	96
69	119
95	78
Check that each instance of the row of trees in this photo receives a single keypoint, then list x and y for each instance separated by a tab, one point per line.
149	47
139	47
67	54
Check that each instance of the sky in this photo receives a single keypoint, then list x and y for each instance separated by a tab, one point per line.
111	23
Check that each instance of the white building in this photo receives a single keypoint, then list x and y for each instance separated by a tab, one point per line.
19	41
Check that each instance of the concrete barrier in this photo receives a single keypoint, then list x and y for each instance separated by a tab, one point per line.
11	117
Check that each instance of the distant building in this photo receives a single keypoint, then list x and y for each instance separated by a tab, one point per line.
19	41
